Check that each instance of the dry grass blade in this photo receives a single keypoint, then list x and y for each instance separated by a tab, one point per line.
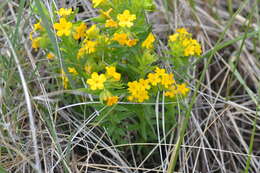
28	102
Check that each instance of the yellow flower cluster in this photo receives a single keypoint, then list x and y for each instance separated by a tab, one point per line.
97	41
111	100
139	90
73	71
96	82
80	31
182	39
110	23
90	42
123	39
124	20
111	72
180	89
63	28
161	77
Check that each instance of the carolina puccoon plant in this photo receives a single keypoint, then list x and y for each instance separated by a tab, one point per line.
113	58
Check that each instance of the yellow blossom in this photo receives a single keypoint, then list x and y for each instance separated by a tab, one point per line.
145	83
192	48
173	37
120	38
90	46
159	71
96	81
73	71
37	26
50	56
154	78
167	80
110	23
138	91
80	31
126	19
131	42
172	92
111	100
63	28
183	45
64	12
182	31
97	2
36	43
111	72
148	43
182	89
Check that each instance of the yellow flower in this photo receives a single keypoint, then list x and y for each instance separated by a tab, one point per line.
138	91
167	80
120	38
110	23
36	43
37	26
111	72
182	44
80	31
63	28
154	78
145	83
192	48
159	71
182	31
65	80
182	89
50	56
97	2
64	12
171	92
73	71
90	46
148	43
131	42
96	81
111	100
106	14
173	37
126	19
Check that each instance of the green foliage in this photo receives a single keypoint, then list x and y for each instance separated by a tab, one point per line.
116	59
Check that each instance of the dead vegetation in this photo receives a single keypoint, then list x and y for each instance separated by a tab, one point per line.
224	127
